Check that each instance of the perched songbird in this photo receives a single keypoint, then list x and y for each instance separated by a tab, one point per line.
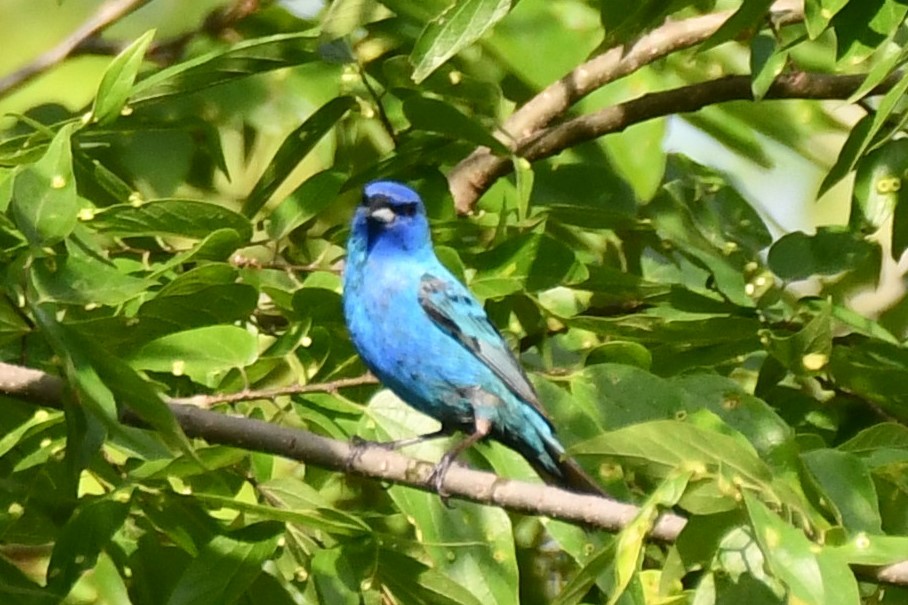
428	340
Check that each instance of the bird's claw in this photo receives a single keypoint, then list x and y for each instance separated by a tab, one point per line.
437	479
358	445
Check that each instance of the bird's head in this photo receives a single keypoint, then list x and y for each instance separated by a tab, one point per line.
393	217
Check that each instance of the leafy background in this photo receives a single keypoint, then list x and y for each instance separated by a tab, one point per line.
175	201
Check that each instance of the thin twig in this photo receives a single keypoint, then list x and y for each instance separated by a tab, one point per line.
484	169
382	114
466	179
36	387
110	12
240	261
333	387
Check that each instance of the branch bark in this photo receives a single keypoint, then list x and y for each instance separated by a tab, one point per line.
482	170
373	461
467	181
110	12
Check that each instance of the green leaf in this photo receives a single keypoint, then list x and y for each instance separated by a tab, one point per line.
812	574
305	505
432	115
599	565
295	147
750	416
204	460
639	157
621	395
12	323
83	279
118	79
884	68
630	541
678	220
853	319
203	354
185	218
110	583
412	581
85	535
524	177
689	329
864	134
664	445
335	579
873	550
305	203
227	566
241	60
461	24
16	587
829	251
873	370
531	261
749	15
766	62
731	131
848	487
808	350
622	352
6	188
319	305
878	184
321	518
818	14
101	380
45	203
98	406
206	295
862	27
879	444
343	17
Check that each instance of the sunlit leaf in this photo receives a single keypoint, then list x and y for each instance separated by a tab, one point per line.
45	204
812	575
118	80
464	22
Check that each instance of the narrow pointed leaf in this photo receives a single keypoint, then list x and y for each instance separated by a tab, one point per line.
463	23
118	80
295	147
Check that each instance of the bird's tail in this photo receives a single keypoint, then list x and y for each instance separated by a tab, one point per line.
576	479
553	465
567	472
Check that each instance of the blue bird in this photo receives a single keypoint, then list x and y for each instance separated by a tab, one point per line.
430	342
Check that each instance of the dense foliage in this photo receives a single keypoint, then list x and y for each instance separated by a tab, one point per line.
183	235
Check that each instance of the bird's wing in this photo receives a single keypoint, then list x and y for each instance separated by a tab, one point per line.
456	312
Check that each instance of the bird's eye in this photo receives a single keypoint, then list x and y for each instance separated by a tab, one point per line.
365	200
407	209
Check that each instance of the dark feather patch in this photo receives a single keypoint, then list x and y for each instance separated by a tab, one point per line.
463	319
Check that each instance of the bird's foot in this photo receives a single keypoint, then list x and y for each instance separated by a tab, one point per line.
358	446
437	478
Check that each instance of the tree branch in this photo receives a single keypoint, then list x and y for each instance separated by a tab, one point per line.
369	460
466	181
110	12
219	22
482	170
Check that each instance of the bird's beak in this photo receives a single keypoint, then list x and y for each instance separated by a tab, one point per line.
381	212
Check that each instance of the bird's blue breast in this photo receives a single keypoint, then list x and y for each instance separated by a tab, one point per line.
400	343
